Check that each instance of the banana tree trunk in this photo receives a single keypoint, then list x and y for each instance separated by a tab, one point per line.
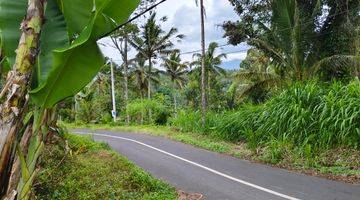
15	171
39	135
17	83
1	68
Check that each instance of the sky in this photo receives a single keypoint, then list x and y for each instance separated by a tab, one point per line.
185	16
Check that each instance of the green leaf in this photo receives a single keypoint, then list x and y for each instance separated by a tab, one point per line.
4	65
24	169
74	67
54	36
78	14
11	15
111	11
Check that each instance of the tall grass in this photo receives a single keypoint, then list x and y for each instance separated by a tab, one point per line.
305	115
190	121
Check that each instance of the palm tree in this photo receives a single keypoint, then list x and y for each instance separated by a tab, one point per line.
176	71
203	68
120	40
143	77
255	77
212	64
291	44
139	73
152	42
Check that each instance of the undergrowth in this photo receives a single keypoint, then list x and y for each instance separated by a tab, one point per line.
309	116
90	170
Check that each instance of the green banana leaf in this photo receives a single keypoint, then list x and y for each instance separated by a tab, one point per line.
54	36
11	15
78	14
69	56
74	67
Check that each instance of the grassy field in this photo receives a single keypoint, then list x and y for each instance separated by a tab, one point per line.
337	164
83	169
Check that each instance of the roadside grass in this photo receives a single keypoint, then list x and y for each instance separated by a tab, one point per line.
84	169
337	164
194	139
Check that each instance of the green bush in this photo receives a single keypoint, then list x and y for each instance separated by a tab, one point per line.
66	114
139	111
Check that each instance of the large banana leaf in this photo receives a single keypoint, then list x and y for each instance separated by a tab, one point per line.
63	68
12	13
74	67
54	36
78	14
4	64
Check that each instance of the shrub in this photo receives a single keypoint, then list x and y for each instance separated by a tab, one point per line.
139	109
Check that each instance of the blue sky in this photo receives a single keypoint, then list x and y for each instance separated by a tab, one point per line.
184	15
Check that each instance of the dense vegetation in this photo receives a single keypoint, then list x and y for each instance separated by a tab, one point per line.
305	115
82	169
298	88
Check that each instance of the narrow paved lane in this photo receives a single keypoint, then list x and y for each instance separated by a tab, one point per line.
217	176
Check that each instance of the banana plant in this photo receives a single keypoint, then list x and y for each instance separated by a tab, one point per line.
54	55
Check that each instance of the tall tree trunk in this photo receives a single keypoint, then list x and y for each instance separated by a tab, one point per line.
142	113
208	89
174	96
17	83
149	85
126	66
203	87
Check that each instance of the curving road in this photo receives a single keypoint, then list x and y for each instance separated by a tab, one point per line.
217	176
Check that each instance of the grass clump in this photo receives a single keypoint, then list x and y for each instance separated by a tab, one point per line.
91	170
306	115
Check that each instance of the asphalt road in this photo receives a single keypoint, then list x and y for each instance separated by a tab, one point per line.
217	176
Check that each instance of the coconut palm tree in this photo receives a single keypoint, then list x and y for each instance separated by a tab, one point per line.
203	68
212	64
143	77
291	43
152	42
176	71
255	77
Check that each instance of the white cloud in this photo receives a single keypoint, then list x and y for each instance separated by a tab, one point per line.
237	56
184	15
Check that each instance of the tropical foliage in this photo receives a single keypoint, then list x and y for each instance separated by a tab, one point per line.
298	86
73	59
